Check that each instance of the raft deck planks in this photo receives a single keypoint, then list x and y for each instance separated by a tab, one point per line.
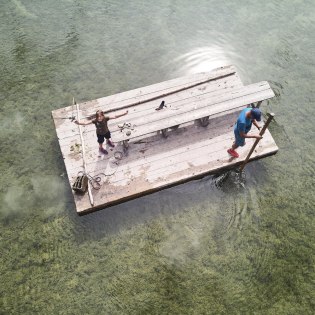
153	162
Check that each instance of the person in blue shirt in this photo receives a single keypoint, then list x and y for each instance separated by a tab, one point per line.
247	117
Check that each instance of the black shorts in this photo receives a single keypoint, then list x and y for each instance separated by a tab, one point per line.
100	138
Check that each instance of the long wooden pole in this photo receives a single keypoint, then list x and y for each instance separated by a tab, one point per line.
262	131
83	156
166	94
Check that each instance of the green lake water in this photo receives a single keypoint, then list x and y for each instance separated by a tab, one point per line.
246	246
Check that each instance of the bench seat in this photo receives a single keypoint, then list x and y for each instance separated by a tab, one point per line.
179	113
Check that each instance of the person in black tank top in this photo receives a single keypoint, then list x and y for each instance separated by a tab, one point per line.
102	131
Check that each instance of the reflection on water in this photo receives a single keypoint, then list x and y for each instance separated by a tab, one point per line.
226	244
203	59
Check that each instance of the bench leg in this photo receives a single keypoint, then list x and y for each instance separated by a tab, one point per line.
175	127
164	132
204	121
252	105
125	144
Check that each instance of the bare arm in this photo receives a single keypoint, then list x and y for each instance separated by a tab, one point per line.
120	115
83	123
245	135
255	123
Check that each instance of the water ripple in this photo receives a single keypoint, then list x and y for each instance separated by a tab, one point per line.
205	59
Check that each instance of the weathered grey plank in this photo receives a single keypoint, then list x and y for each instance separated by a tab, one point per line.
143	94
150	92
179	158
153	162
65	128
159	155
152	145
176	168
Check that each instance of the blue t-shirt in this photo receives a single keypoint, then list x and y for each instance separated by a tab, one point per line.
243	124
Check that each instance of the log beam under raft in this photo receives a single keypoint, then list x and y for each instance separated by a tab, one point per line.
150	162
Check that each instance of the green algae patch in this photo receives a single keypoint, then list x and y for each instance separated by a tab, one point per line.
245	247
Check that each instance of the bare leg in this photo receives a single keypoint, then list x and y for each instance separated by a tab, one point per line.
101	149
234	146
110	142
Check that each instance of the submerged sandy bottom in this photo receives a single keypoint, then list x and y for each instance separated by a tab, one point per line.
243	246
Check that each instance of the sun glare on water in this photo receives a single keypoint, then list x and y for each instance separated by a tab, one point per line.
202	59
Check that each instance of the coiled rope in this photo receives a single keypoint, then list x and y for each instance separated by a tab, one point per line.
95	180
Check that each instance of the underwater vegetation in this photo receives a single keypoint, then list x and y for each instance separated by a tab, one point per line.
235	245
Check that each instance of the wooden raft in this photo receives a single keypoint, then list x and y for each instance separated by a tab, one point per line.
153	162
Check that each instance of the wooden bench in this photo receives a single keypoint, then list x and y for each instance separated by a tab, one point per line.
201	109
